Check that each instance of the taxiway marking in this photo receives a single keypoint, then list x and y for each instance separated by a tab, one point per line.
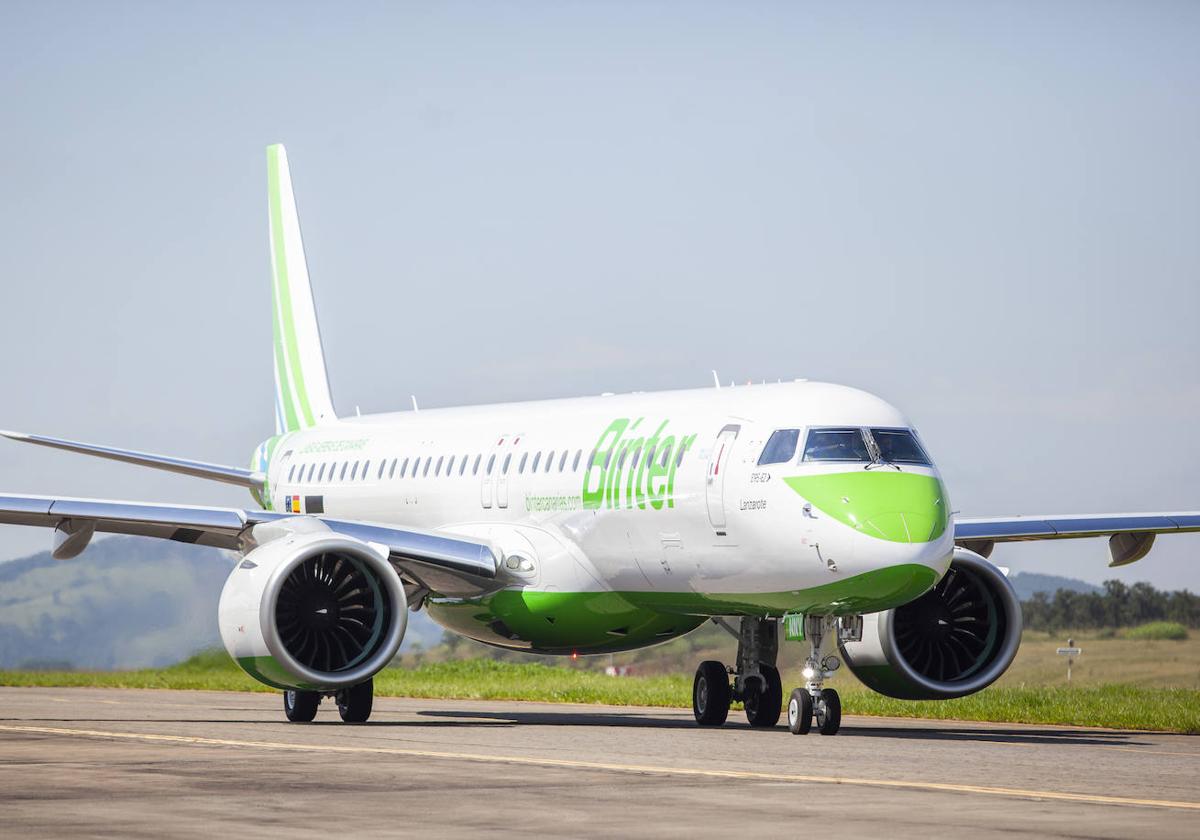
751	775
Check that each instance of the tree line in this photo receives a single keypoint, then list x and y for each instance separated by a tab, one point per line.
1117	605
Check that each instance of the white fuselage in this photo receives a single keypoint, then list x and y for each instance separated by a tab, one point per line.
701	517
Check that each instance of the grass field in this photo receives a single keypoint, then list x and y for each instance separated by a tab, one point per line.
1106	705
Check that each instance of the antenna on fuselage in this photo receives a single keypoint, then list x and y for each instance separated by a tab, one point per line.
414	399
716	381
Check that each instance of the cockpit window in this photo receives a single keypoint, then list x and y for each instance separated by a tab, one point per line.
899	446
836	445
780	448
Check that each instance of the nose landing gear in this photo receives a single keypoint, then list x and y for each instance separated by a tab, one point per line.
814	701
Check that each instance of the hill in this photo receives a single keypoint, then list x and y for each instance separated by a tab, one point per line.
127	602
1027	583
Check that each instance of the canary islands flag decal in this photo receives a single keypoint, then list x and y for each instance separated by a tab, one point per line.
292	504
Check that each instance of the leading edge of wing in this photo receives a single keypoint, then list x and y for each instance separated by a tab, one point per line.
196	469
446	561
1058	527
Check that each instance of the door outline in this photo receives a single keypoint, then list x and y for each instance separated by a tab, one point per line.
714	480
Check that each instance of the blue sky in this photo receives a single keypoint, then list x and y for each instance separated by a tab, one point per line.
985	213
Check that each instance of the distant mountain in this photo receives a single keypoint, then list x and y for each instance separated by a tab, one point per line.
1027	583
126	602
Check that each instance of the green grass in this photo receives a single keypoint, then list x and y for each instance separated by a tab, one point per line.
1113	706
1157	630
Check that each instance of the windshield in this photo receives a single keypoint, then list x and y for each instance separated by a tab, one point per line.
836	445
899	446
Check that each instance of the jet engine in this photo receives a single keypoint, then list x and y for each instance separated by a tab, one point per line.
956	639
313	611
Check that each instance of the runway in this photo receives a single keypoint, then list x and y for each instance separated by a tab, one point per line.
100	762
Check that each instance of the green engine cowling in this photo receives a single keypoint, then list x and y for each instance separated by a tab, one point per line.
313	611
956	639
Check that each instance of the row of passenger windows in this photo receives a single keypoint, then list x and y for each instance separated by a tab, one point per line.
423	466
888	446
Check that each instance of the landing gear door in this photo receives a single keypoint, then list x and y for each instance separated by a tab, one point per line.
718	463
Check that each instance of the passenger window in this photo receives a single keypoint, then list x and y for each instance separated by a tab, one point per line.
550	460
562	461
650	455
438	470
404	468
291	473
366	469
342	474
537	459
836	445
899	446
637	453
450	466
507	460
462	465
321	474
679	455
521	467
491	463
607	458
666	456
780	448
428	463
354	471
475	466
392	469
578	455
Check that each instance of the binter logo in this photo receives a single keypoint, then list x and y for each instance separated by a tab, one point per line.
634	467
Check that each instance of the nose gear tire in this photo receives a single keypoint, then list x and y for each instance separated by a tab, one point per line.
829	712
800	711
711	694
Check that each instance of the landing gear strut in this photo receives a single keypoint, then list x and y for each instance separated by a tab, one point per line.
756	680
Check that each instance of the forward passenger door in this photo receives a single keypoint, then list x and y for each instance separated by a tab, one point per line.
718	464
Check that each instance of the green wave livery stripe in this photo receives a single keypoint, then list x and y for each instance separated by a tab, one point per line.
887	505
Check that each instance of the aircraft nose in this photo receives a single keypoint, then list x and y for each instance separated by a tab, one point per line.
896	507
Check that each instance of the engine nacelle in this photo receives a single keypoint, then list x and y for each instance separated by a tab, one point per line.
956	639
314	611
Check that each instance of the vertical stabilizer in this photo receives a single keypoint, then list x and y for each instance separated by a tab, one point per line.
301	385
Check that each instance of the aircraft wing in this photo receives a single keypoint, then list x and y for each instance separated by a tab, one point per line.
446	564
1131	535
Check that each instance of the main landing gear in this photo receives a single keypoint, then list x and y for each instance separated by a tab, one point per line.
354	703
756	681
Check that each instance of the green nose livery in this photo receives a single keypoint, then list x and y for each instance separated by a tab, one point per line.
893	506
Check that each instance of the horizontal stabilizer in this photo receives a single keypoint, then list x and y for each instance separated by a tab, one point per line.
198	469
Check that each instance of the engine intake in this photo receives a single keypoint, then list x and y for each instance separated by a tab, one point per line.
313	611
956	639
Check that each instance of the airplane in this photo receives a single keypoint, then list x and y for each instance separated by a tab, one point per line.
794	511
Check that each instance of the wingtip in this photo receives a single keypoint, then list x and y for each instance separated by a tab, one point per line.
14	435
